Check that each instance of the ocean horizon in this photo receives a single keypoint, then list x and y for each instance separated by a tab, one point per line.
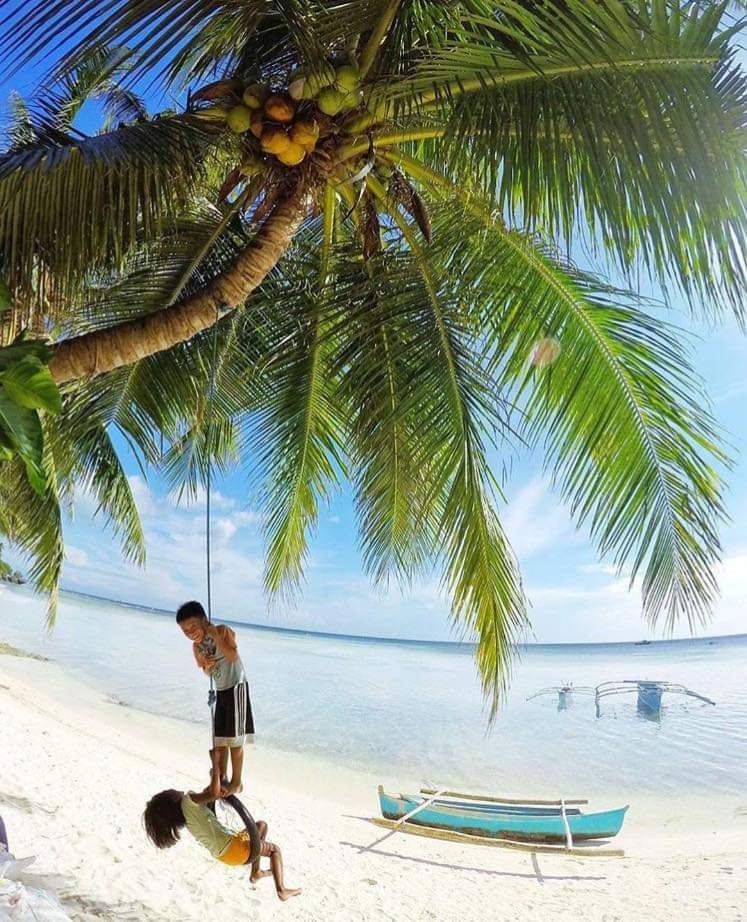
466	645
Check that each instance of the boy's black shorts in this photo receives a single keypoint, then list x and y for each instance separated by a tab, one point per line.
234	724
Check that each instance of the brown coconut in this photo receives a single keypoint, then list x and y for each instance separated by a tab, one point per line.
257	125
305	133
280	108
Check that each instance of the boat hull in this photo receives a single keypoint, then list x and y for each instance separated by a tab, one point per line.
525	824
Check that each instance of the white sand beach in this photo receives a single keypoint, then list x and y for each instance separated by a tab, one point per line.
76	770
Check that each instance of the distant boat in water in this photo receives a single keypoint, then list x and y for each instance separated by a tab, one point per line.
564	693
648	695
642	643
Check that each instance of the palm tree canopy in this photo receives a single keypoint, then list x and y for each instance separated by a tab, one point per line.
362	207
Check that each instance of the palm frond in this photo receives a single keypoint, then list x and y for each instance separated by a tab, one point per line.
297	433
480	570
56	189
620	412
617	124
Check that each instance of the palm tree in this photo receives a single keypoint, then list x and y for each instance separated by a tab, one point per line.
354	229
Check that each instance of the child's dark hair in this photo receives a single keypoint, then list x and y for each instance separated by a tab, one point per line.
163	818
190	610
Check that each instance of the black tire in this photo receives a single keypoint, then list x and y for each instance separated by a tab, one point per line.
255	841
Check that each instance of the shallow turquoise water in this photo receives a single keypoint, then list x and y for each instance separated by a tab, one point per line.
415	710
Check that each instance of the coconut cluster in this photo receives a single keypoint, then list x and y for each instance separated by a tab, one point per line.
274	119
335	88
286	123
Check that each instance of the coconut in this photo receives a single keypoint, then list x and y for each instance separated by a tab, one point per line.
280	108
274	139
347	78
257	126
305	133
239	119
330	100
545	352
297	88
314	85
292	155
255	95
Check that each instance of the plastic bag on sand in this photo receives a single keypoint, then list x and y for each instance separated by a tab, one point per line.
21	899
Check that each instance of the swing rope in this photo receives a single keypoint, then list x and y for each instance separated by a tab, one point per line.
208	487
255	842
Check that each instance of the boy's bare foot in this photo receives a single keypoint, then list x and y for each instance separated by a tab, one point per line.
286	894
235	787
259	875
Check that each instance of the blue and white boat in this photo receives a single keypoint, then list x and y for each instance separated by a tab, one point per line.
533	821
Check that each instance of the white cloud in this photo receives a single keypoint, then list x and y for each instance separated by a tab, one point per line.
534	520
76	556
141	494
197	500
607	569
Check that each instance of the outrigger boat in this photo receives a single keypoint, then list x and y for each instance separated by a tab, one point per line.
564	693
648	694
448	814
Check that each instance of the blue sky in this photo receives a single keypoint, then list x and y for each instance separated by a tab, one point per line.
575	596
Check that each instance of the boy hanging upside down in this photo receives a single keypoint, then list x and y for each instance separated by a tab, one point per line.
168	812
215	651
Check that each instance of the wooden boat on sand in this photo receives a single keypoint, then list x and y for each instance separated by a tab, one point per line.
468	817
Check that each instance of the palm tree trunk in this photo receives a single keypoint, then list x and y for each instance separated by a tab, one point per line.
100	351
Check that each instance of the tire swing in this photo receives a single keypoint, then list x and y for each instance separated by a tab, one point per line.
238	816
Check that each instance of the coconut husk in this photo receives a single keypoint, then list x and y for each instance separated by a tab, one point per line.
218	90
370	229
402	193
264	208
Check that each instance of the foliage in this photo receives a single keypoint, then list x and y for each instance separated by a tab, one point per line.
398	344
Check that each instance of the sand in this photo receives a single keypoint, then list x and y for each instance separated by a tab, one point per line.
76	770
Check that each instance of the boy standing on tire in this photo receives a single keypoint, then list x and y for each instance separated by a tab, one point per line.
215	652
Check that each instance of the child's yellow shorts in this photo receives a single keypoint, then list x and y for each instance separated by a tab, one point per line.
238	851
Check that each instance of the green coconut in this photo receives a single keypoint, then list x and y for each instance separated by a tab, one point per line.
254	96
239	119
330	100
314	84
347	78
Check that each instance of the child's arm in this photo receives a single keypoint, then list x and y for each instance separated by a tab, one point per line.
212	791
226	641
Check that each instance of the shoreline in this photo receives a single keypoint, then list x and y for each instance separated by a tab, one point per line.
79	768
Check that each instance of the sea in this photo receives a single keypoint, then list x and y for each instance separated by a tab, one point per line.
404	709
